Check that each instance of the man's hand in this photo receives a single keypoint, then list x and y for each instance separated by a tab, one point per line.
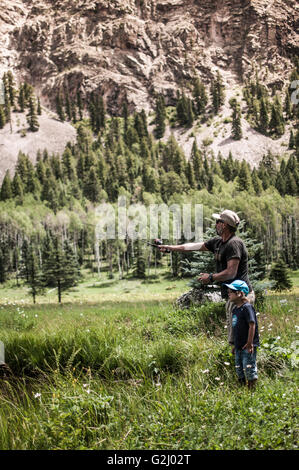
249	347
164	248
204	278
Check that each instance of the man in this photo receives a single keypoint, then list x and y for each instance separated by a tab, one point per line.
231	259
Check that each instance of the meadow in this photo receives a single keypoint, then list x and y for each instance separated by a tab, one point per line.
118	366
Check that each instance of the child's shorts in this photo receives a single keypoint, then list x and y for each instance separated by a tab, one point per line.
246	364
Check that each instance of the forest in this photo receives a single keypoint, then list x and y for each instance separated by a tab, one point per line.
47	209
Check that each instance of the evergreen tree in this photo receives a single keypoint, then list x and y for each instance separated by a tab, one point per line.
21	99
11	88
279	274
196	160
256	182
34	273
2	117
200	97
160	117
80	105
6	188
288	105
291	140
32	116
236	124
218	93
60	268
125	115
244	182
263	117
184	111
39	108
67	104
276	124
17	187
92	187
60	107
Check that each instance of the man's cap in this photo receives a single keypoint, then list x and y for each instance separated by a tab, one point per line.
238	285
230	217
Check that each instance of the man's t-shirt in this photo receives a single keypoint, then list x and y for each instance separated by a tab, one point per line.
241	317
224	251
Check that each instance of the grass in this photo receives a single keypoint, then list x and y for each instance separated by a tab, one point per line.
117	366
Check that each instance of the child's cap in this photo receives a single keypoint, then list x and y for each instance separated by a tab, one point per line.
238	285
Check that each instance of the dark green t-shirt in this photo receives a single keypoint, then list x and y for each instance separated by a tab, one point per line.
241	317
224	251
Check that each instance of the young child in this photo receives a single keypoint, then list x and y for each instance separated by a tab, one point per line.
245	332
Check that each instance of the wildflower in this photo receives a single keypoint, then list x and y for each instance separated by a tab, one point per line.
217	378
85	385
37	395
283	301
227	363
206	371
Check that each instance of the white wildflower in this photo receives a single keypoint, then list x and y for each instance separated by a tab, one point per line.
37	395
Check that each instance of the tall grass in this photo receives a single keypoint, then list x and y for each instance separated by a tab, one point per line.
144	376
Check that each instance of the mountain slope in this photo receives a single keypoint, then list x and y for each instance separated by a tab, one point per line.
135	47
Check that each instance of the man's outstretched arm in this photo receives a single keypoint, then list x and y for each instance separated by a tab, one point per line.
200	246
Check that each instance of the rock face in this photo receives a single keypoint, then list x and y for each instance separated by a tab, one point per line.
131	48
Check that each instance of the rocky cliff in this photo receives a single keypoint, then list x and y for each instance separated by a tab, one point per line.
135	47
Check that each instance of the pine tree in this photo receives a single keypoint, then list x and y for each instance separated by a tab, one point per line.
67	104
200	97
244	181
291	140
17	187
218	93
92	187
32	116
6	189
256	182
160	117
288	105
263	117
196	160
236	124
279	274
39	108
80	105
34	273
2	117
11	88
60	268
276	124
59	107
21	99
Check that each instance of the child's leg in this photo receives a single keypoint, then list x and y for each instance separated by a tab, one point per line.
250	367
239	367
